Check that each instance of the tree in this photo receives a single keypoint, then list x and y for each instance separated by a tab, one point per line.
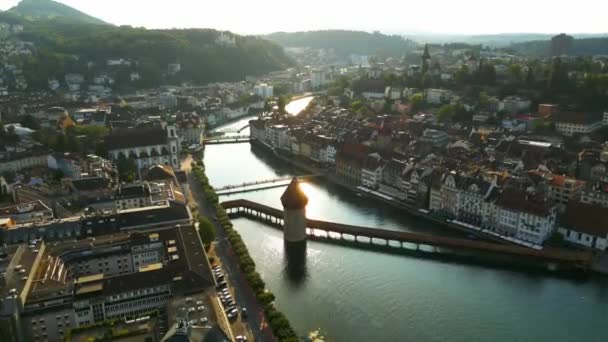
281	104
206	230
487	74
416	102
445	113
265	298
256	282
267	105
558	79
530	79
388	105
30	122
357	105
462	76
127	169
60	143
483	99
461	115
57	175
9	137
515	73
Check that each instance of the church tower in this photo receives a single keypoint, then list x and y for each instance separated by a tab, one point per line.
426	59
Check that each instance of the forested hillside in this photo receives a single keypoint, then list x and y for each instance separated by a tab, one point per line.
60	47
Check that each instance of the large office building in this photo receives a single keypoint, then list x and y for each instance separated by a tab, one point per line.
50	288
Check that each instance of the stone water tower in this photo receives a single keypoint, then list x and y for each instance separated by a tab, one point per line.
294	215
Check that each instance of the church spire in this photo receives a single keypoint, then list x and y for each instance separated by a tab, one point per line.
426	56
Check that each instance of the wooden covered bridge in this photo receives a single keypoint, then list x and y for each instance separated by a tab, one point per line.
332	230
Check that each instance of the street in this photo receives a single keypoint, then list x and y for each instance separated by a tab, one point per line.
244	295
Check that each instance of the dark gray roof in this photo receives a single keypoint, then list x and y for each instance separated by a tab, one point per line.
160	172
132	190
585	218
91	184
135	137
174	212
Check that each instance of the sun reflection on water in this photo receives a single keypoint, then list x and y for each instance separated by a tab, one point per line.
313	209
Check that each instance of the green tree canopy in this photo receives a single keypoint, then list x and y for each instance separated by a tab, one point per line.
206	230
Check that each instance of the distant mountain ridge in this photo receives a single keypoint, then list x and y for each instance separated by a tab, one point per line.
580	47
492	40
345	42
49	9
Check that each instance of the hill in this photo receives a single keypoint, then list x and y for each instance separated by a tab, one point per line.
48	9
345	43
491	40
204	55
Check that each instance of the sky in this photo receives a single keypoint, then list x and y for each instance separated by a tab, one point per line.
389	16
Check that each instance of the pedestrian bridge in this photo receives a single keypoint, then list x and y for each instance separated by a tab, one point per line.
336	231
233	130
260	185
232	139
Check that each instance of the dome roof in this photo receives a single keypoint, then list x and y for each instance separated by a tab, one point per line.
294	197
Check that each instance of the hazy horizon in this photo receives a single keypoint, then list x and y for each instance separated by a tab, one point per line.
468	17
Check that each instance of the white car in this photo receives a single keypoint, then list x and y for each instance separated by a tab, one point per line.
191	309
200	308
241	338
199	302
203	320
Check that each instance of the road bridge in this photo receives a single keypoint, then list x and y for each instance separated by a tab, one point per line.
374	236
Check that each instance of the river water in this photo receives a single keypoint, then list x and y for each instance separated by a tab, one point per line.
360	295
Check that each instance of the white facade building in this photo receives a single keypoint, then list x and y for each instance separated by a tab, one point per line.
263	90
147	146
577	123
514	104
318	78
371	173
437	96
531	220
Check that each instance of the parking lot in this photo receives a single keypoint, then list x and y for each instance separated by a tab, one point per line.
198	308
236	314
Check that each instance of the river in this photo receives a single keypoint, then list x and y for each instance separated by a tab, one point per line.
360	295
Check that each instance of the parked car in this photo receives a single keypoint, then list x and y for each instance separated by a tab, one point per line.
244	313
241	338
